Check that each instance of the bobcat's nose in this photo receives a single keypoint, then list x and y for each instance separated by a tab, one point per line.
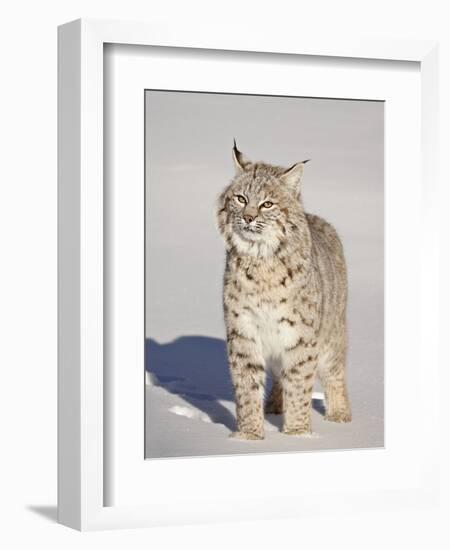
248	218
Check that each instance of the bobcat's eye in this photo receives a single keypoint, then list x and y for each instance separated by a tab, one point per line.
267	204
241	199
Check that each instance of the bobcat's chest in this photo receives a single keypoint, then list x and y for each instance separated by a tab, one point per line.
270	334
273	334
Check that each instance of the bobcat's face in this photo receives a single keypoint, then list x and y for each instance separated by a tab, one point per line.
256	210
256	207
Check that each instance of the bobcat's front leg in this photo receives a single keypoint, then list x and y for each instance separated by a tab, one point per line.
248	377
297	378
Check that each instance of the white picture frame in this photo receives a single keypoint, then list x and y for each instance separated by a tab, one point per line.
84	402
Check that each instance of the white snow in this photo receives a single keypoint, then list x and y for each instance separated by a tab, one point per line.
185	420
189	412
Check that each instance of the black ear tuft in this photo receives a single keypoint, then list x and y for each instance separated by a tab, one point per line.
293	175
239	159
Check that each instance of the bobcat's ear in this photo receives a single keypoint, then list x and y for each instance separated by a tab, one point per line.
240	161
293	175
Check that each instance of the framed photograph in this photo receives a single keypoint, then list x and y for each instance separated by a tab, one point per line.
246	251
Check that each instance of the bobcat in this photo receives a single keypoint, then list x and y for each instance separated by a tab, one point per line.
284	299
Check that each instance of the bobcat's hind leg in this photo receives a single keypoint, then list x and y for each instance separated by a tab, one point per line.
337	405
274	404
332	377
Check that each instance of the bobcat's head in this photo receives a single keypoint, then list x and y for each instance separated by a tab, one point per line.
261	208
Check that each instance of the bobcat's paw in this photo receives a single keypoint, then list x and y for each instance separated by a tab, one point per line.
339	417
249	436
297	431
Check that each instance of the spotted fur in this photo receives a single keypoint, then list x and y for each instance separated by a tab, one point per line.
284	296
